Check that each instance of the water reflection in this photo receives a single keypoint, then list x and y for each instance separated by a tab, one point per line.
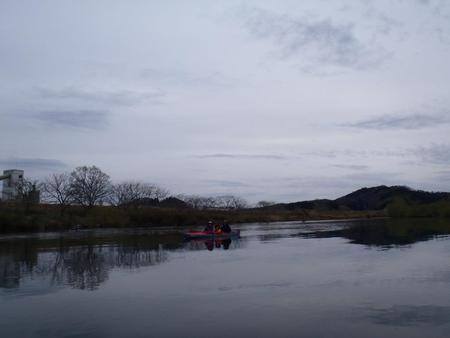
211	244
386	233
84	260
284	279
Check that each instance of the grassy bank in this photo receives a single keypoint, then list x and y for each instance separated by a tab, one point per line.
19	218
402	208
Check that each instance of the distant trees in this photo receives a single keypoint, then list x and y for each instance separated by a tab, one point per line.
219	202
124	193
198	202
129	193
158	192
230	202
89	186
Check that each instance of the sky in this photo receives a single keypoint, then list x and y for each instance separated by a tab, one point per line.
266	100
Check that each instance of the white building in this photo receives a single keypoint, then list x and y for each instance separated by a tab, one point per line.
12	180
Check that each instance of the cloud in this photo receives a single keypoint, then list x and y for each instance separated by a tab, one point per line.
369	178
79	119
117	97
435	153
244	156
335	153
443	176
322	42
376	178
214	79
409	122
34	163
295	188
226	183
351	166
328	154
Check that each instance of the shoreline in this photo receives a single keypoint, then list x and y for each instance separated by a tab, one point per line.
47	218
168	228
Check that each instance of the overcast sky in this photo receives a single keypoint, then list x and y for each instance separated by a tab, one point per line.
279	100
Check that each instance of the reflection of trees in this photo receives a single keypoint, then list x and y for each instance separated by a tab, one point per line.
10	272
83	263
81	267
86	267
16	260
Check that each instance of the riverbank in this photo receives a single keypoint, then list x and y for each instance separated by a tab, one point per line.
20	218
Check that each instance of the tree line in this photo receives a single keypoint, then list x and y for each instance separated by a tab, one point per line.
89	186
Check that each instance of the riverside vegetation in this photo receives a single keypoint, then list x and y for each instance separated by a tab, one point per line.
86	198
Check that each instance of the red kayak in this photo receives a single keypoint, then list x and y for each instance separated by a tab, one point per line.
211	234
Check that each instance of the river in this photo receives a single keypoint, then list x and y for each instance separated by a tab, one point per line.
373	278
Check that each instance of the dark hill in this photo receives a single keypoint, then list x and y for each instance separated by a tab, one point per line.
375	198
378	198
320	204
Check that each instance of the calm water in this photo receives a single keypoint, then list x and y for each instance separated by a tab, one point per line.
335	279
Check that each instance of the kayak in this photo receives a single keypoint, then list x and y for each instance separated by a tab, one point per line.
211	234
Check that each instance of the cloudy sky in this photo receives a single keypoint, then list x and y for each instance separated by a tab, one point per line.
279	100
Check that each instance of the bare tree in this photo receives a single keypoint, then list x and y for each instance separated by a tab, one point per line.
224	202
124	193
238	203
153	191
221	202
231	202
89	186
128	193
208	202
158	192
199	202
25	187
57	189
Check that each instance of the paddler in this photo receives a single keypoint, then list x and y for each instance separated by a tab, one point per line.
209	227
226	227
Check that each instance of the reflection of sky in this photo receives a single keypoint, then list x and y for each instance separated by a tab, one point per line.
290	286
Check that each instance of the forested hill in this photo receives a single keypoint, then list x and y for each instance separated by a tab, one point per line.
375	198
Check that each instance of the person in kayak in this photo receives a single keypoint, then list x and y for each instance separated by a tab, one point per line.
217	228
209	227
225	227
